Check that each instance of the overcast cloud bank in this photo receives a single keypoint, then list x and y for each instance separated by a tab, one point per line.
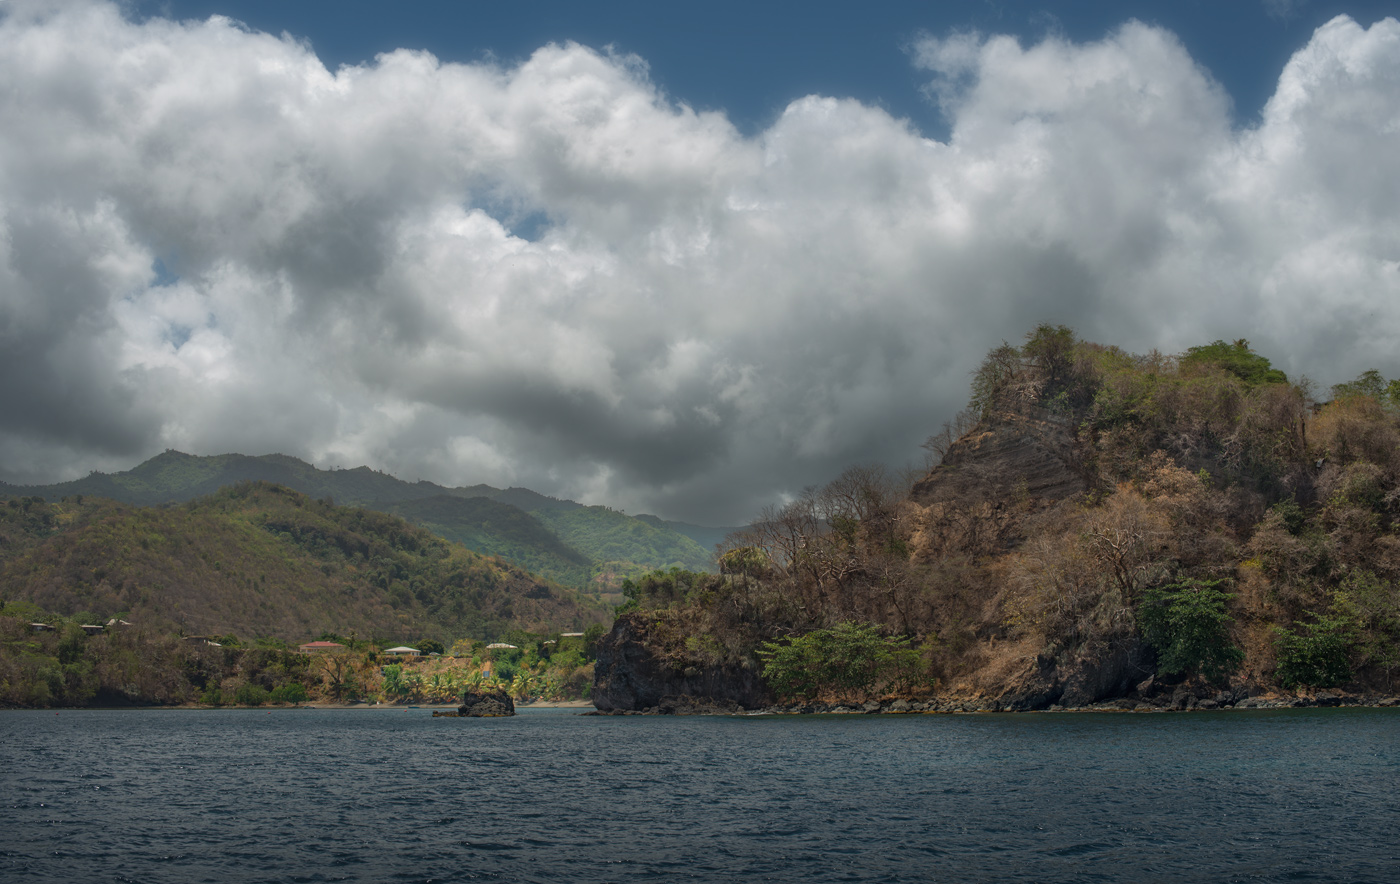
552	275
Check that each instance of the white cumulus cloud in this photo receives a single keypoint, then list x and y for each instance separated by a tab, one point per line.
552	274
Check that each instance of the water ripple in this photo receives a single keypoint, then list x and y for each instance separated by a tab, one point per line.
383	795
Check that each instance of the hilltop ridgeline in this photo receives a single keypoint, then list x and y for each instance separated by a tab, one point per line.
575	545
1157	531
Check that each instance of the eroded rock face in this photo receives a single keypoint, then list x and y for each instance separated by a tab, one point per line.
486	704
1104	672
1029	452
640	666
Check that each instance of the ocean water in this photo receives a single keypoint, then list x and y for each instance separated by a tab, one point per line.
394	795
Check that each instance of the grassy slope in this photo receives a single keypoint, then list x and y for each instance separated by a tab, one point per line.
261	560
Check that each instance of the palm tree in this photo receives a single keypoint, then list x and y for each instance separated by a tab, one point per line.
524	683
393	686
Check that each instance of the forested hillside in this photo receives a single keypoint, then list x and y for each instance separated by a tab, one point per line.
1099	524
590	547
260	560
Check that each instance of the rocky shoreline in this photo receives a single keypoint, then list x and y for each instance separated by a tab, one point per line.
1181	700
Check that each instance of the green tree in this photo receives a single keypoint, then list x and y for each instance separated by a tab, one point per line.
849	659
393	685
1238	359
250	694
591	637
1188	625
1318	656
1372	606
291	692
994	378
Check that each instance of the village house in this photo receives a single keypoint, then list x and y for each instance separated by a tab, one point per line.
320	647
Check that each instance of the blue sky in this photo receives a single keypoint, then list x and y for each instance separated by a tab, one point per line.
689	263
751	59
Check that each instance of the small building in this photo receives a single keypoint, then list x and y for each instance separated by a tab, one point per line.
404	651
115	622
571	635
497	645
92	628
321	647
40	627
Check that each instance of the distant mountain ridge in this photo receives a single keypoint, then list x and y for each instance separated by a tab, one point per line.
566	541
260	560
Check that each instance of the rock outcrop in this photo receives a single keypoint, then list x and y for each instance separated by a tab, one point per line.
486	704
1030	452
1091	675
644	665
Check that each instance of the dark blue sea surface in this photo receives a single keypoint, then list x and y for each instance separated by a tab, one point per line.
549	795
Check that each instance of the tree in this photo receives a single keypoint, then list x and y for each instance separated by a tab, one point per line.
393	685
849	659
1318	656
994	378
1238	359
338	670
1188	625
591	637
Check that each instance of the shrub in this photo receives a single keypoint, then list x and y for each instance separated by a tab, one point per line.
292	692
249	694
1319	657
851	659
1187	624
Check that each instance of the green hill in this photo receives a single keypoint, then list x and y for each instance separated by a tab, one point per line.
499	529
610	536
705	537
257	559
574	544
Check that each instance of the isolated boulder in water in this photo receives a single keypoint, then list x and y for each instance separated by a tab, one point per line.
486	704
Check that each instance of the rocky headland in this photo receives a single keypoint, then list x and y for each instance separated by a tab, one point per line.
1106	531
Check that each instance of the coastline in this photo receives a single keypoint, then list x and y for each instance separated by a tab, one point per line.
318	704
900	706
1186	702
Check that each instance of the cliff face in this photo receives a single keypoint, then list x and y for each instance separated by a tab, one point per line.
643	664
1008	453
1103	671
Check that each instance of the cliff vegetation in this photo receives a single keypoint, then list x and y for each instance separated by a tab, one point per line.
1096	524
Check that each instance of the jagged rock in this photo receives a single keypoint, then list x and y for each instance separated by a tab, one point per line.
1105	672
486	704
641	664
1092	675
1009	452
